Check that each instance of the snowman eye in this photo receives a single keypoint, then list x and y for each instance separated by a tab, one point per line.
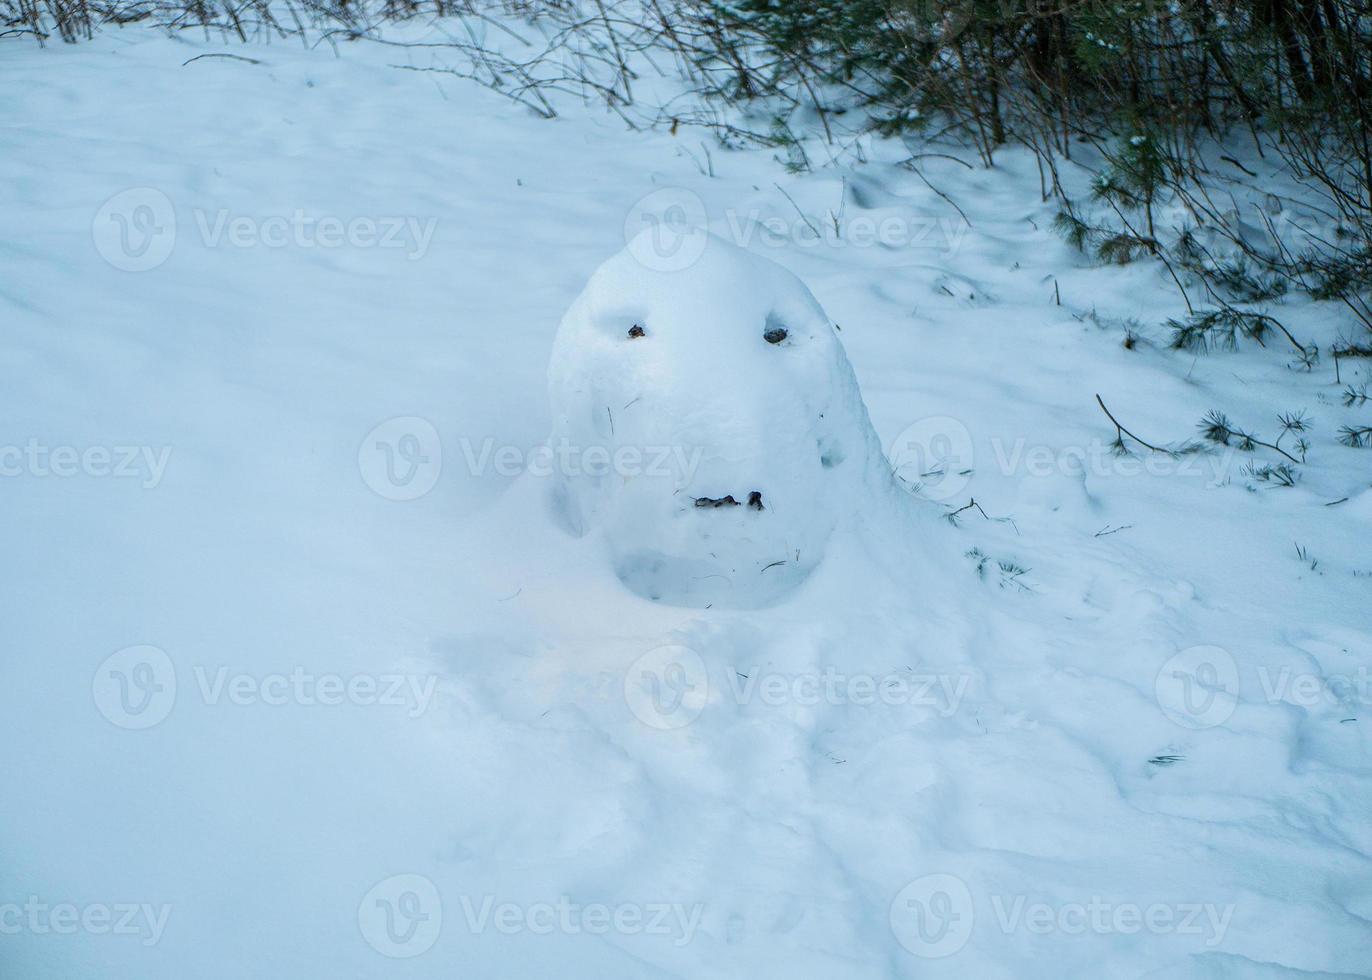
635	332
774	329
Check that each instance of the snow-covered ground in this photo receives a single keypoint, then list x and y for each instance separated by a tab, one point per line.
304	676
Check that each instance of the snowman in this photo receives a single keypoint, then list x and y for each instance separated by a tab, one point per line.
708	426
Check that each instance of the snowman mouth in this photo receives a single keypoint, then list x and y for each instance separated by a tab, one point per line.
711	503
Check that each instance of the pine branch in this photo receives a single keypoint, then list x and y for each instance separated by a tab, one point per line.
1217	428
1120	432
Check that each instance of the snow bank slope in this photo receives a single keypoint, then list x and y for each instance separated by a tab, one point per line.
1113	728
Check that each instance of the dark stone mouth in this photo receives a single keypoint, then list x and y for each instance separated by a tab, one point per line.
754	501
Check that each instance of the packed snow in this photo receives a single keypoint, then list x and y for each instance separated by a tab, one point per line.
731	431
321	662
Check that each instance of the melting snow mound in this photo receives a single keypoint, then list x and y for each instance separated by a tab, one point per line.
708	425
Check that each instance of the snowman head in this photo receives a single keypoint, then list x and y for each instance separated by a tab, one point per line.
707	422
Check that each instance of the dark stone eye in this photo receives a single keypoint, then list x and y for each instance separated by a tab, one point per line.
635	332
775	336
